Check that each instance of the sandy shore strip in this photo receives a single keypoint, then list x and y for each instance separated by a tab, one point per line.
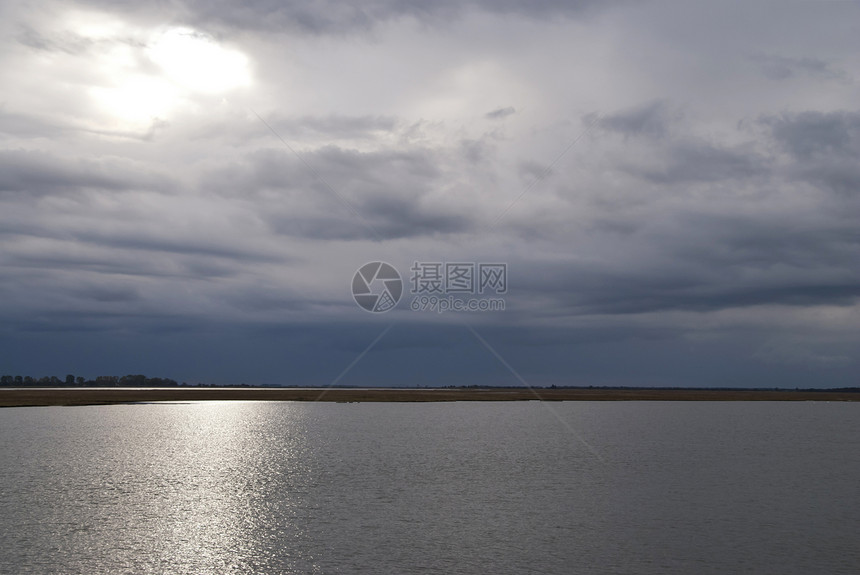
18	397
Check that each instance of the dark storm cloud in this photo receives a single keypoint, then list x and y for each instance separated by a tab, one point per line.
338	194
106	237
641	293
707	226
725	267
383	217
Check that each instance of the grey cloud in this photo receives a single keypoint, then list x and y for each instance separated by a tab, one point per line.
382	217
653	120
203	248
781	67
813	133
70	42
804	243
102	320
677	156
259	299
143	135
500	113
824	146
475	151
687	282
394	219
37	173
110	294
334	193
840	176
161	241
120	260
338	16
334	127
67	42
17	125
398	217
757	240
111	217
804	351
663	294
699	161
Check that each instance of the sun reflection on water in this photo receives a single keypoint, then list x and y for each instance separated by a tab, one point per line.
217	508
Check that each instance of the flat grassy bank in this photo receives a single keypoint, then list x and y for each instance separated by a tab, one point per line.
100	396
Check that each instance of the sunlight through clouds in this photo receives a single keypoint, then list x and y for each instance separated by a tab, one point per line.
197	62
149	76
138	99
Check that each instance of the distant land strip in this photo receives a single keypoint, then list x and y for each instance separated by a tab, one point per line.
18	397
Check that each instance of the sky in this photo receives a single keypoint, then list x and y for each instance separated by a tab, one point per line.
188	188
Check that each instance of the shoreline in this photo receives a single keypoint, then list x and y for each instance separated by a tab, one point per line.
40	397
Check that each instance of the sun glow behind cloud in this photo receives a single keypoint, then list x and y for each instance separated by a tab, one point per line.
197	62
165	73
137	99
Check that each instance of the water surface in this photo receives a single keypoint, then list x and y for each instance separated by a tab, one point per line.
525	487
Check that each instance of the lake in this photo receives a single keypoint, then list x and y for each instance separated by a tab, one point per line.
477	488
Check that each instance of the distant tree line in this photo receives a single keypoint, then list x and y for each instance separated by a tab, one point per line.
101	381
